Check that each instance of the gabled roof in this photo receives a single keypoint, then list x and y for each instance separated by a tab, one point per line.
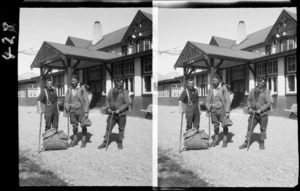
223	42
82	52
254	38
115	37
293	15
78	42
226	52
109	39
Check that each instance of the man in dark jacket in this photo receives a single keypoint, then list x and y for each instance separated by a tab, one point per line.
218	103
77	105
189	97
51	107
259	102
117	103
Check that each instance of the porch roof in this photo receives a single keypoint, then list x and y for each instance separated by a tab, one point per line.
53	52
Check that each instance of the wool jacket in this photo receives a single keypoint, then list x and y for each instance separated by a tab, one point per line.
121	102
262	102
80	99
220	99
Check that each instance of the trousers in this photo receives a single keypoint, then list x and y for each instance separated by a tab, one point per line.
51	116
262	121
120	120
76	116
217	116
192	116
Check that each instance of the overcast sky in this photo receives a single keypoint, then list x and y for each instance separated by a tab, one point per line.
177	26
56	24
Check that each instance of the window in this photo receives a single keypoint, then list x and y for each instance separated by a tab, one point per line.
175	90
124	50
147	83
95	79
291	83
268	49
129	68
287	44
140	46
260	69
272	67
118	69
129	84
147	65
59	84
291	77
202	84
291	64
237	73
147	45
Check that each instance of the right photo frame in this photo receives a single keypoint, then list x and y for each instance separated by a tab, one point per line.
227	97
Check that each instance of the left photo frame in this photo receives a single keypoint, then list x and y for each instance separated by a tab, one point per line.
85	96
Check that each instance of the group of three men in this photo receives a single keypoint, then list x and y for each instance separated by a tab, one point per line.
76	105
218	105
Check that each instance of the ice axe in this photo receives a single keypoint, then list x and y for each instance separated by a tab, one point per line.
250	130
112	115
180	132
40	131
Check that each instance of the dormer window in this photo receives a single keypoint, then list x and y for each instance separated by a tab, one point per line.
287	44
143	45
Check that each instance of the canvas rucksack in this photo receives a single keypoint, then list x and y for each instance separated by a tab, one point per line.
54	139
195	140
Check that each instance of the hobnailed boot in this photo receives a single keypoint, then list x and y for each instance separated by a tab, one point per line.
83	141
262	145
74	141
215	142
244	145
103	145
120	145
224	141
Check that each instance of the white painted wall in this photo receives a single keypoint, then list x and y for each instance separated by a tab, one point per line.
66	81
138	77
108	79
281	80
251	78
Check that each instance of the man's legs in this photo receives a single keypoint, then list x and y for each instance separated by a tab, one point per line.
189	117
225	128
84	129
215	121
250	128
55	118
107	133
48	117
263	121
74	123
196	117
122	124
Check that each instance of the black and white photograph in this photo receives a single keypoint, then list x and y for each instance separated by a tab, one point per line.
85	97
227	97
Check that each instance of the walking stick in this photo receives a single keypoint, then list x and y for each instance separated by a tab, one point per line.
112	115
250	131
68	121
180	132
40	131
209	115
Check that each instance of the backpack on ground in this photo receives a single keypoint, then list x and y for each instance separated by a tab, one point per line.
195	140
54	139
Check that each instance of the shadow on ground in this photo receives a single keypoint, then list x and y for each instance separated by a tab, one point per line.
30	174
171	174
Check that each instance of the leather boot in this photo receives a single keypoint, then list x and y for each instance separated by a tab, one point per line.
120	145
244	145
103	145
74	141
215	142
224	141
83	141
262	145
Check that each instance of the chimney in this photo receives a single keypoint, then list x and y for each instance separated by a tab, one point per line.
241	32
97	33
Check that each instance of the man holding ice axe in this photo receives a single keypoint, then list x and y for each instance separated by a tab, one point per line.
259	103
117	103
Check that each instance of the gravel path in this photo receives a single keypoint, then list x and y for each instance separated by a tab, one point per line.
90	166
276	166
